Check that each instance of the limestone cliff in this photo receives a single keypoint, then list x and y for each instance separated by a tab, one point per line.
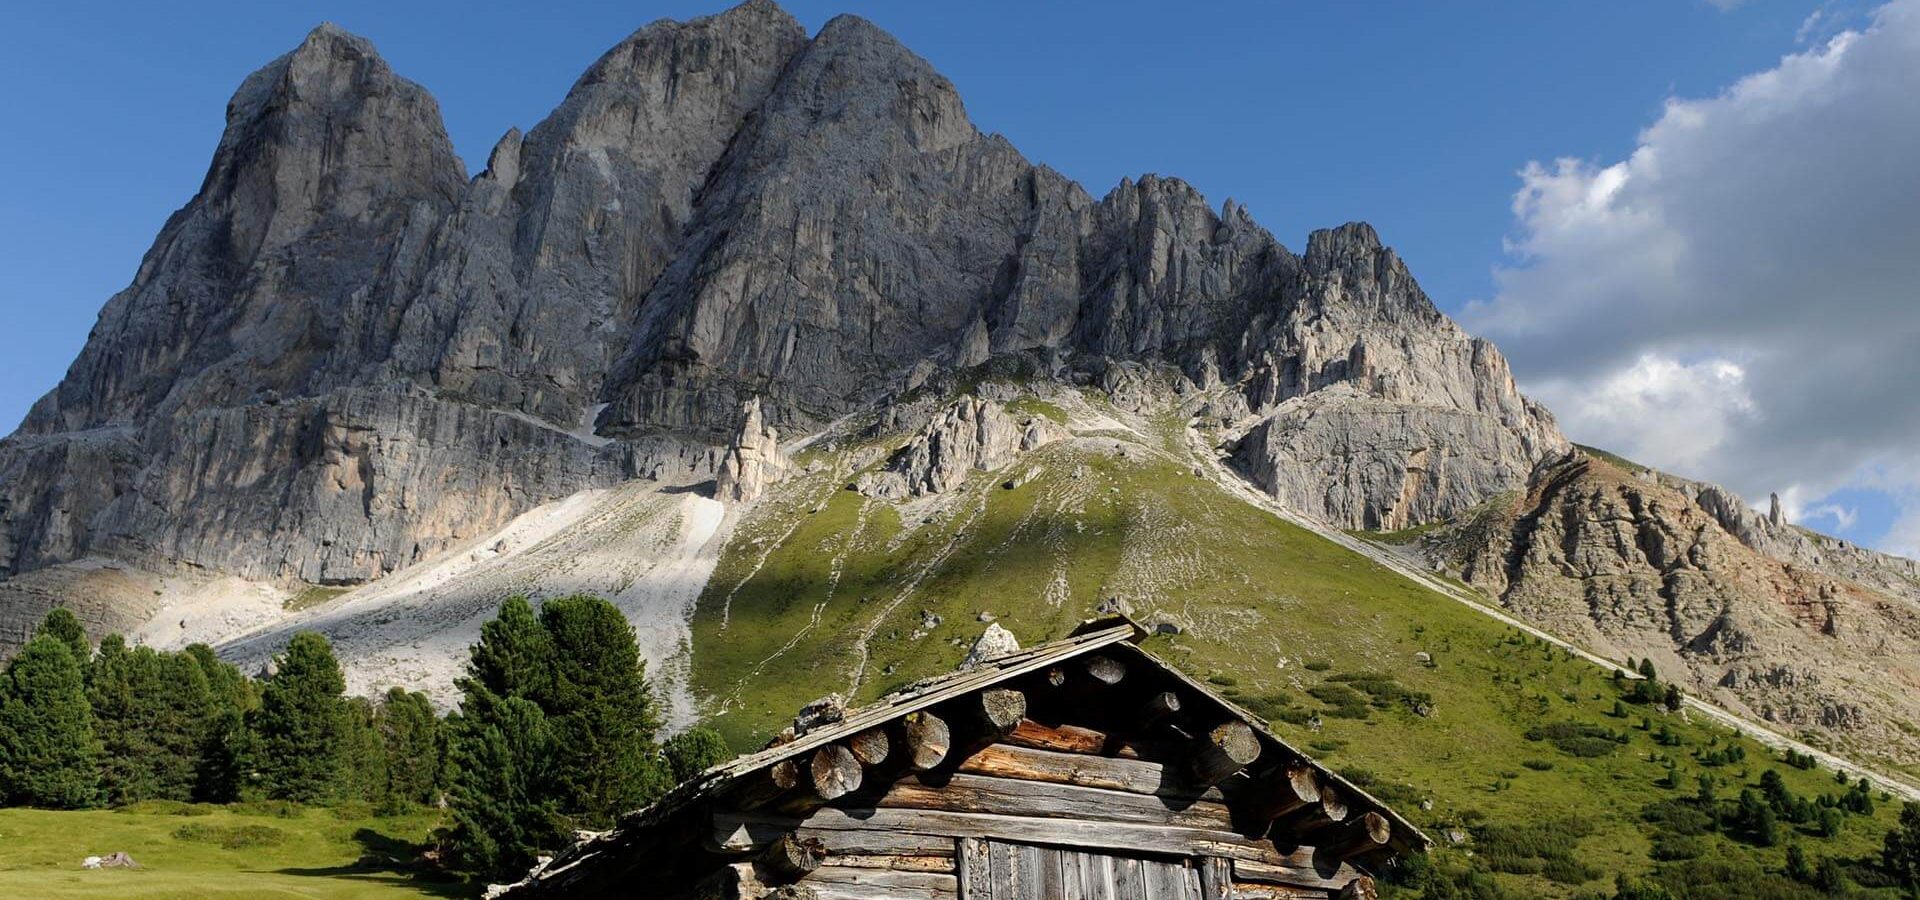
969	435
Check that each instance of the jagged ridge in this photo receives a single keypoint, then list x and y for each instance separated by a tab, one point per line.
342	357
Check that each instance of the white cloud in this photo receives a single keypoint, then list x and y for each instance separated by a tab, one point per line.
1656	408
1738	299
1842	517
1810	26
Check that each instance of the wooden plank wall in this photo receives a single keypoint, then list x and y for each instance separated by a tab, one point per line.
1037	787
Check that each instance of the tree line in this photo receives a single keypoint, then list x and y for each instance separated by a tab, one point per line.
557	730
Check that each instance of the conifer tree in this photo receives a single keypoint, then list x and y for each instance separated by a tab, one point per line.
226	742
503	814
1798	868
1828	877
515	655
601	709
49	754
60	622
152	711
301	723
364	753
556	730
693	751
415	747
1900	853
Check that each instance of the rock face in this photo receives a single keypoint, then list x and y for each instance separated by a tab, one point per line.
753	463
1632	565
1360	461
344	356
970	435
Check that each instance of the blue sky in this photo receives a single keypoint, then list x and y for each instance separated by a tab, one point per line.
1417	117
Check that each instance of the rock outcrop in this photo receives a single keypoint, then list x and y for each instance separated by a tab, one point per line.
753	463
1360	461
970	435
1630	565
344	356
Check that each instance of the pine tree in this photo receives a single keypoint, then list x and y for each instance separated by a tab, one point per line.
415	747
363	753
1900	853
61	623
1827	822
301	723
1798	868
601	709
49	754
515	655
1646	670
502	813
1828	877
110	696
226	742
499	748
694	751
152	710
556	729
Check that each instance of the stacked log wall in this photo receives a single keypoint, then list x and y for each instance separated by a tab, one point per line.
1028	783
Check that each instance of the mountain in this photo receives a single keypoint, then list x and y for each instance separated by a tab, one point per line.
342	357
1793	628
759	337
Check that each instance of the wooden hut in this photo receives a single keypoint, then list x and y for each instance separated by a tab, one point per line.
1085	768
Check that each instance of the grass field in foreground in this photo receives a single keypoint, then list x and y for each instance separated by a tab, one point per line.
195	852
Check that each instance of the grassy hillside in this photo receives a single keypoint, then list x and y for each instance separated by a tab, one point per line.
195	852
1500	741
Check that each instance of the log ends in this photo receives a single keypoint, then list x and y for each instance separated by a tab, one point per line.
1281	792
1105	670
834	772
791	858
1365	835
1224	750
871	747
925	740
998	711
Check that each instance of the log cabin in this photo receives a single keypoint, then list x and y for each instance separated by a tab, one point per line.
1085	768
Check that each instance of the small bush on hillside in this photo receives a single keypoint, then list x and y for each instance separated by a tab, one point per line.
1342	701
1575	738
1545	849
1270	706
1671	847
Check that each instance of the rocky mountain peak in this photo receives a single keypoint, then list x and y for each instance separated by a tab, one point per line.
720	210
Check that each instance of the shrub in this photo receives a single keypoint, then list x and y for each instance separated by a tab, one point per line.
1670	847
1575	739
1342	701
